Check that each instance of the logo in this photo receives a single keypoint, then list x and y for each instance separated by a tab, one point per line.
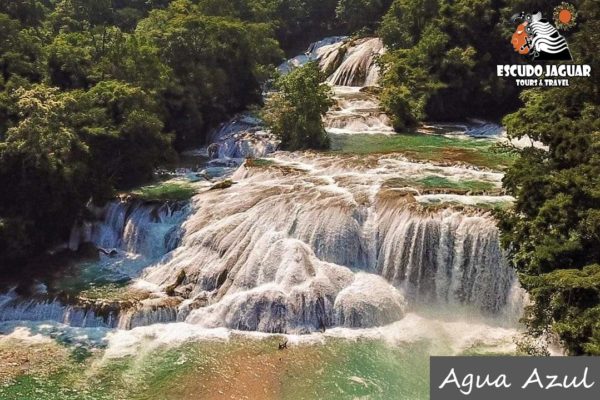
537	39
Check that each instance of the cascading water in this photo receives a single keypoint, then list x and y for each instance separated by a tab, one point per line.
351	65
242	137
335	246
279	251
445	257
358	66
357	111
130	235
148	229
15	308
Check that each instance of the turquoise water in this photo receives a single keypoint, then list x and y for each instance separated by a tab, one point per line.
180	361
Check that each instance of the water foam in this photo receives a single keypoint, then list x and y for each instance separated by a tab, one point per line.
274	252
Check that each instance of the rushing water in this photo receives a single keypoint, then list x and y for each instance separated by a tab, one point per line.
130	235
341	256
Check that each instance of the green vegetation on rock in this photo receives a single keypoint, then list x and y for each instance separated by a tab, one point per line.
165	191
259	162
469	185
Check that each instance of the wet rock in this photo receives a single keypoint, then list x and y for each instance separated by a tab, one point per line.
227	183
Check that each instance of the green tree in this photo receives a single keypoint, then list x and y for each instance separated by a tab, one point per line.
43	162
443	59
295	113
358	14
94	93
70	147
216	63
409	78
553	232
27	12
20	51
122	127
405	21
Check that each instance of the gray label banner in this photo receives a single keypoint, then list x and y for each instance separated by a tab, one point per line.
515	378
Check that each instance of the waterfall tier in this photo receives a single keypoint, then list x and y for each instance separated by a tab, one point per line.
242	137
305	241
347	62
147	229
130	235
357	62
280	250
356	111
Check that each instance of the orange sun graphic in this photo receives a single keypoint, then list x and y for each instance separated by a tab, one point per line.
565	16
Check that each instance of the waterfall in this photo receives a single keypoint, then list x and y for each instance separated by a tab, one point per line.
306	242
88	314
473	128
444	257
278	285
316	241
15	308
147	229
358	66
348	62
148	312
317	51
241	137
131	235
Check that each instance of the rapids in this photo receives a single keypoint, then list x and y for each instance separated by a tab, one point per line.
351	67
363	264
356	112
149	229
242	137
302	241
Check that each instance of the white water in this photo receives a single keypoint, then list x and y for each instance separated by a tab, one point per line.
240	138
358	66
315	52
471	129
352	64
302	245
131	235
15	308
147	229
356	112
279	251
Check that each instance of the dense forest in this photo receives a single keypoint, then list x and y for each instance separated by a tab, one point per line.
95	94
553	233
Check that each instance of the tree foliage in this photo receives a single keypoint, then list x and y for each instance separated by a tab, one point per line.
215	64
94	94
361	14
442	60
553	233
294	113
